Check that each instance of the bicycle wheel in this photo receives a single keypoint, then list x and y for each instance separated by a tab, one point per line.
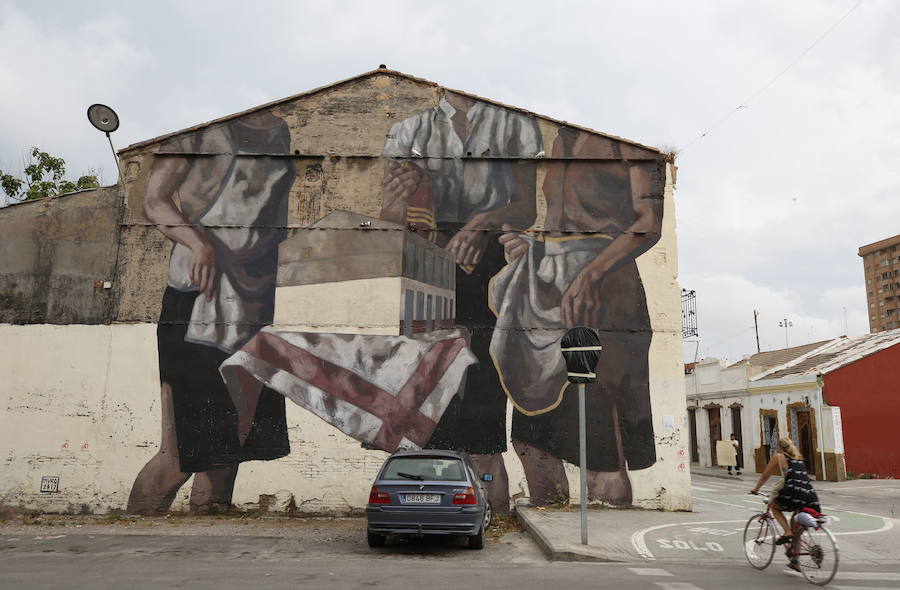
759	541
816	551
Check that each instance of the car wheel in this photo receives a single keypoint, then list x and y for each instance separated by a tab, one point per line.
488	515
375	540
477	541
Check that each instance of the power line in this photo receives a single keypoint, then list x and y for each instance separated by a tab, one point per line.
771	82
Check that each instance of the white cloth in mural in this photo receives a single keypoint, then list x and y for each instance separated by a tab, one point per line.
526	296
386	391
463	188
244	220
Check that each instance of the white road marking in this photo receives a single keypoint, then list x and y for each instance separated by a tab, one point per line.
677	586
888	522
875	487
869	576
637	538
873	576
721	485
720	502
728	484
648	571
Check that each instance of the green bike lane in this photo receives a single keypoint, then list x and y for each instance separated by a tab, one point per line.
722	510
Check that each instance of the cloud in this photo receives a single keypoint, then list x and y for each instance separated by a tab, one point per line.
51	74
772	204
726	302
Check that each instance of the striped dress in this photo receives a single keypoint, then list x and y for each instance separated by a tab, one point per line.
797	492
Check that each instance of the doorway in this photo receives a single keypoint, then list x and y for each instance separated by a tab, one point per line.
738	433
770	434
692	420
715	432
806	439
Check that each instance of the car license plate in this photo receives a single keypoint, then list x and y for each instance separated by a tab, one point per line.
423	499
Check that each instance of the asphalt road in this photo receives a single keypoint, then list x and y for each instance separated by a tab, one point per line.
862	514
225	554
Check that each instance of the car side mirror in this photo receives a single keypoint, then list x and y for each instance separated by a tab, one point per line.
487	477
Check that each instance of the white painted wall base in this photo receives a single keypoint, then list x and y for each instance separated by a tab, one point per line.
82	403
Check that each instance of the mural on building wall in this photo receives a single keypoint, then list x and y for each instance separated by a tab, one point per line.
517	295
483	301
222	200
463	205
601	214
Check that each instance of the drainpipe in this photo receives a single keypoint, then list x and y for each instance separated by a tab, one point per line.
820	386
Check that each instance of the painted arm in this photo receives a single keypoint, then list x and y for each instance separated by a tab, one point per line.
468	244
581	302
166	176
401	179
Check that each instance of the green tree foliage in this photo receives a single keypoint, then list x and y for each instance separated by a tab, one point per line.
44	177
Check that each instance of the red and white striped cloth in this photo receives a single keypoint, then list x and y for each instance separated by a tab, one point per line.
387	391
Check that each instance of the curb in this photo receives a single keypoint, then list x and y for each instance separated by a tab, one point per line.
539	538
716	476
554	554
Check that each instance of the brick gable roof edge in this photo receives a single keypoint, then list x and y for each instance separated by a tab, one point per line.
384	71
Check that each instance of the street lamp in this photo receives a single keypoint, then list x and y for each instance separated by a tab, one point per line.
785	324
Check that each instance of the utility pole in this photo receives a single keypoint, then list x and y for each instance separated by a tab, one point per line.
756	327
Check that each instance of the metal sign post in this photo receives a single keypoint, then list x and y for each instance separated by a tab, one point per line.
582	462
581	348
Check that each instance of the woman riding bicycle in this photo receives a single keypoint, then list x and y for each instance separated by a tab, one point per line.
796	491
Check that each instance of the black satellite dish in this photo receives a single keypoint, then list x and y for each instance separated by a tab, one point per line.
103	118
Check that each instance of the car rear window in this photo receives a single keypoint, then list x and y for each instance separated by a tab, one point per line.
425	468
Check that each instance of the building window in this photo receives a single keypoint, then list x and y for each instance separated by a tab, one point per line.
420	306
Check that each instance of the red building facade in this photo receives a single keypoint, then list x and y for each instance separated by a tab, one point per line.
868	393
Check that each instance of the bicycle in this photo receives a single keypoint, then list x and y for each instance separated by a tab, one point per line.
813	549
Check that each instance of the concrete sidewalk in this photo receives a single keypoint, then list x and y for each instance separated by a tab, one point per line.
558	531
722	473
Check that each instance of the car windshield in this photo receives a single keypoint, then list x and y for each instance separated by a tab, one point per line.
424	468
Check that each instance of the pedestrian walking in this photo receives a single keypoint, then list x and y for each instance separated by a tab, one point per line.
738	463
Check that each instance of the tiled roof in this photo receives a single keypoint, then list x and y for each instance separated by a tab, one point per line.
774	358
833	355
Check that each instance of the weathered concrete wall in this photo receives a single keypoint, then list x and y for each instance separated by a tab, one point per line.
93	420
54	252
353	147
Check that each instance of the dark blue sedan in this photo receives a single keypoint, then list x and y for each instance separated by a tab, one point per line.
428	493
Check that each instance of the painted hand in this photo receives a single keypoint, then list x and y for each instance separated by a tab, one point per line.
401	180
203	268
514	245
581	303
467	245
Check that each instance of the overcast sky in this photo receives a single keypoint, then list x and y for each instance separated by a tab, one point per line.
772	204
